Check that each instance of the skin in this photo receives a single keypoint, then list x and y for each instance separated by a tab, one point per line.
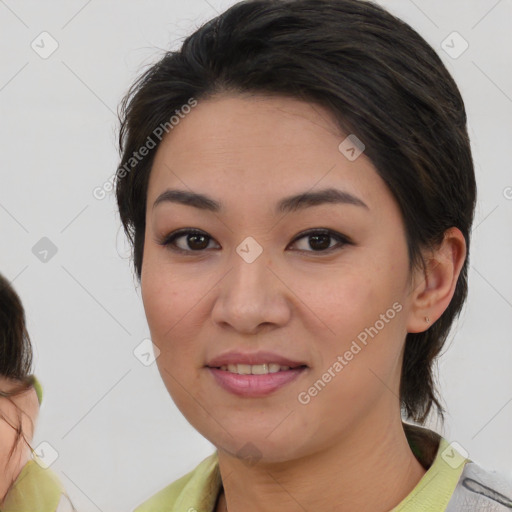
26	405
347	445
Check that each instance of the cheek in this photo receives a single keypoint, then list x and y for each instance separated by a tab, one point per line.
170	302
162	289
351	299
362	306
156	297
166	311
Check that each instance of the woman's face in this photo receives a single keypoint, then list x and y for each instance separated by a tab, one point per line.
260	281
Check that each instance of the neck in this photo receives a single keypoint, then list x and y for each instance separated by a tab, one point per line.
371	470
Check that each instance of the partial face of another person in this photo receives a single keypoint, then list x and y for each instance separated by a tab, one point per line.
21	410
322	285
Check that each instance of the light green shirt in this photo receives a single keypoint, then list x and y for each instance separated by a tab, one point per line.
36	490
198	490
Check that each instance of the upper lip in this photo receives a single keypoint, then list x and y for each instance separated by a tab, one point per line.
252	358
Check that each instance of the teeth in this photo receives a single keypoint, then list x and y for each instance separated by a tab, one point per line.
254	369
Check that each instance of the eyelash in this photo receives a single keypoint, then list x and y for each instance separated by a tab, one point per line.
169	240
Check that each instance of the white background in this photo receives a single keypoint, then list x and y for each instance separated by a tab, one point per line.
118	435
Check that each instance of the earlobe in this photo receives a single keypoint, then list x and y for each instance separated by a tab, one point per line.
435	285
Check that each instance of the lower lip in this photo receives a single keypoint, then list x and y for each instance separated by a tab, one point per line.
254	385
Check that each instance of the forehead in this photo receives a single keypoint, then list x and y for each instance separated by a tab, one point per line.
259	147
251	125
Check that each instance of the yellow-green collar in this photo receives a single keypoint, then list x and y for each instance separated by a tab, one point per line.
38	388
435	489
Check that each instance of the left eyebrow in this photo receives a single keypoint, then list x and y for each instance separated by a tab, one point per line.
308	199
287	204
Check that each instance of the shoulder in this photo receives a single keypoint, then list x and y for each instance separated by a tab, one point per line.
481	489
199	485
35	489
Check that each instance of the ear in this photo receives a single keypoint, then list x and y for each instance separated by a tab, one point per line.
433	288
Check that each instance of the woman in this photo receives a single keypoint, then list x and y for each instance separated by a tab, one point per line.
298	186
25	483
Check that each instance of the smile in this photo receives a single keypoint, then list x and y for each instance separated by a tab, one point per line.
254	369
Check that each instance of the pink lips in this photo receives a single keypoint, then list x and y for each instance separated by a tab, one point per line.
254	385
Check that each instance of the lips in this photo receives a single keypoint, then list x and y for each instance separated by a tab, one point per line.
256	358
253	375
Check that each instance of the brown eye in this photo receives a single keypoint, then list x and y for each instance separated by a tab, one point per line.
193	240
320	240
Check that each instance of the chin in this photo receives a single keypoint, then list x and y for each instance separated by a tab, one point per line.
257	447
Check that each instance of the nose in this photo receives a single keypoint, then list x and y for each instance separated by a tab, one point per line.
252	297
